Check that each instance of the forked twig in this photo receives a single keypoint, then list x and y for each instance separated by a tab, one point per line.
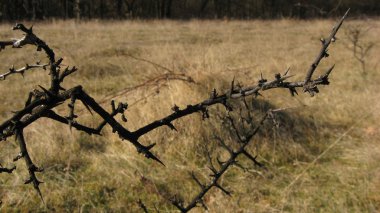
310	86
224	166
22	70
32	169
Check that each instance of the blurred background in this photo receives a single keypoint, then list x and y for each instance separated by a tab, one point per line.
183	9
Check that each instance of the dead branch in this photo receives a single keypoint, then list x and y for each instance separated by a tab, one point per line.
244	140
322	54
42	102
22	70
7	170
234	93
224	166
308	85
32	169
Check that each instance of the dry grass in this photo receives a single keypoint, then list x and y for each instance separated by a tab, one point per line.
87	173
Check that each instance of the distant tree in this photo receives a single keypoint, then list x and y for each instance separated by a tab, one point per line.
12	10
77	9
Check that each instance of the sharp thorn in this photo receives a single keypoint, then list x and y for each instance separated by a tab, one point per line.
171	126
153	157
330	70
287	71
150	146
87	107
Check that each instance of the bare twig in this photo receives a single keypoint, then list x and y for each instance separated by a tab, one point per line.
7	170
309	86
32	169
32	39
218	173
22	70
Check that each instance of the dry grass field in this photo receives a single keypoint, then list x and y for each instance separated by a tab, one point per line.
325	157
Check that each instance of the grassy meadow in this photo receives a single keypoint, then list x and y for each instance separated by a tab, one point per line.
324	157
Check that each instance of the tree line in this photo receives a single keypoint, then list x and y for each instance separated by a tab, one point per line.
11	10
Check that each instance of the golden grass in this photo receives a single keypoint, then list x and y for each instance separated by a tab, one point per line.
87	173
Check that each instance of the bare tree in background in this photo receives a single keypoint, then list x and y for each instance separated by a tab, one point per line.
361	49
77	9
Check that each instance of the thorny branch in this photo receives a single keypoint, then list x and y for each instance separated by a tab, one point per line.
32	169
216	174
41	102
309	85
7	170
22	70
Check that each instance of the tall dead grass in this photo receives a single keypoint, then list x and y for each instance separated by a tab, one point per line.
87	173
